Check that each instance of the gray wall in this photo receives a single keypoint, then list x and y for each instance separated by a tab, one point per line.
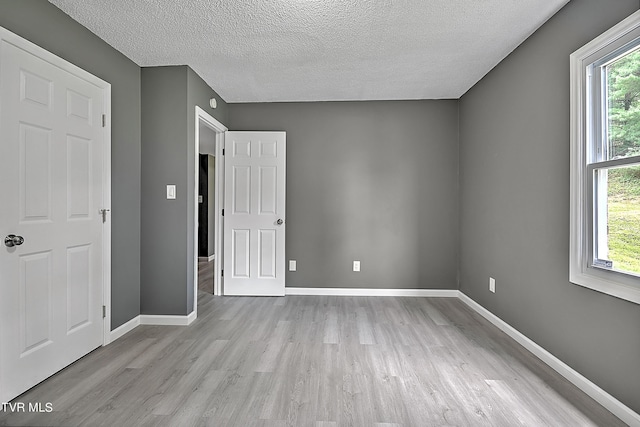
164	161
514	163
169	97
369	181
48	27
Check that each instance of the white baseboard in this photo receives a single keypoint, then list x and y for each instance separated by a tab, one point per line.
159	319
124	328
207	259
361	292
192	316
151	319
614	406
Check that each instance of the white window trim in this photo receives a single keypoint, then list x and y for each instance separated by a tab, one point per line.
580	272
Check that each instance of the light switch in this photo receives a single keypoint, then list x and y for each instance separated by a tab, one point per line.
293	265
171	192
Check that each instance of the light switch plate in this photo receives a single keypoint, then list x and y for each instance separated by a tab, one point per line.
293	265
171	192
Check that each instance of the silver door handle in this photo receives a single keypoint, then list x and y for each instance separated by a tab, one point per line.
12	240
279	221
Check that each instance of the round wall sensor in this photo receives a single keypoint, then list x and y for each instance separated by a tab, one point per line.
213	103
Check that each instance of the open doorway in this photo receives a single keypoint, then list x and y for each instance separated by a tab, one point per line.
209	176
206	210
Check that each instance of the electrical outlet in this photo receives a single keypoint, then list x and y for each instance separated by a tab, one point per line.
293	265
356	265
492	284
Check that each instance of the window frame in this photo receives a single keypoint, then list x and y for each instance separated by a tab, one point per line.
584	124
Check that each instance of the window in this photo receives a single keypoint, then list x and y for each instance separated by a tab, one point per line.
605	162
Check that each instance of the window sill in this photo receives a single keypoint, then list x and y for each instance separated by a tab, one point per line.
595	281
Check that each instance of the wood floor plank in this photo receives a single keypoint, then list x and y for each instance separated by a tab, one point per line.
331	330
189	382
365	327
314	361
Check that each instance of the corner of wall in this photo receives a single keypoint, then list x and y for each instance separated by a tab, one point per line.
459	201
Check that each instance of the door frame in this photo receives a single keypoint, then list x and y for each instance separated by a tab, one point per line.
219	129
105	87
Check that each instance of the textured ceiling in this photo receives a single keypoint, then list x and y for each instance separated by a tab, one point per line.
319	50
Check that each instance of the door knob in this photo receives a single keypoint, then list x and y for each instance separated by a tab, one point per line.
279	221
12	240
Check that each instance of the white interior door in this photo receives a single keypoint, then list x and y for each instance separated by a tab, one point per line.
51	142
254	228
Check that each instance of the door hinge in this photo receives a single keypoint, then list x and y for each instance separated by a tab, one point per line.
104	311
222	273
223	151
104	120
222	212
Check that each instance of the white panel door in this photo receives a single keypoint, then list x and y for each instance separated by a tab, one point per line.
254	214
51	138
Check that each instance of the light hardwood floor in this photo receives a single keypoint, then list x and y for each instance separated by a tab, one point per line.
314	361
